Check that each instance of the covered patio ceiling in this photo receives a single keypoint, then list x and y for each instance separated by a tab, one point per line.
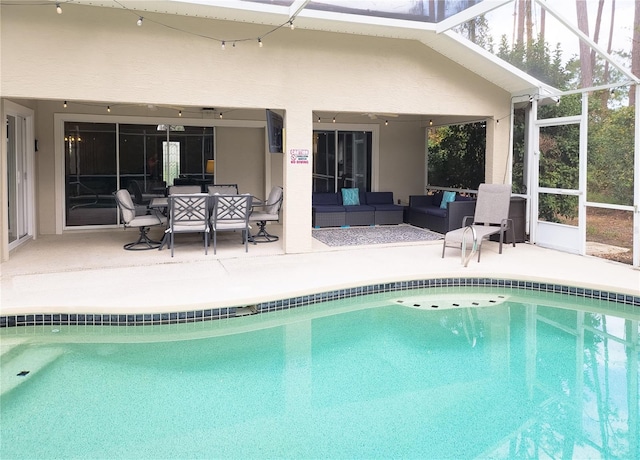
171	113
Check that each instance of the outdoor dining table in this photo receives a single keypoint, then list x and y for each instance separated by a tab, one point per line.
159	203
162	204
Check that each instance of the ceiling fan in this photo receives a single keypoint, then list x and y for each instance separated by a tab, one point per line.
374	116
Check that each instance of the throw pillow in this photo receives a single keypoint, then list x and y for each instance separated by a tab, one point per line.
350	197
447	197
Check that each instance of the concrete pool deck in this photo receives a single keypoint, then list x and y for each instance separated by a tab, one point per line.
91	273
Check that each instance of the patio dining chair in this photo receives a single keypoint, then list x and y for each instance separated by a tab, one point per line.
222	189
188	213
491	217
183	189
231	213
127	210
138	197
270	212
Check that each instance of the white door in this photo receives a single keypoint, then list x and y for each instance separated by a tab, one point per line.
558	198
18	179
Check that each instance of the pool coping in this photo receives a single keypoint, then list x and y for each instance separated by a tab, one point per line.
215	313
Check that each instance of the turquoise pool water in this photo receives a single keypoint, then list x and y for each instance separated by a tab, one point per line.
437	373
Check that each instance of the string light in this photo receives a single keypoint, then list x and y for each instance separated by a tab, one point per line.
386	122
180	113
222	42
108	108
65	104
141	19
430	122
334	119
220	116
318	118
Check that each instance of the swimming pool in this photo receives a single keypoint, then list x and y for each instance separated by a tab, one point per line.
423	373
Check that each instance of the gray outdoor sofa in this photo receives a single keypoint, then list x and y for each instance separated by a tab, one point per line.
425	211
374	208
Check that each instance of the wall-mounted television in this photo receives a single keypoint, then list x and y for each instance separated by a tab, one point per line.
274	131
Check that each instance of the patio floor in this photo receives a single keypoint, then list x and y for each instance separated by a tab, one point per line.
90	272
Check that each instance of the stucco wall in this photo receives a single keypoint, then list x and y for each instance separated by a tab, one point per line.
241	159
402	165
100	54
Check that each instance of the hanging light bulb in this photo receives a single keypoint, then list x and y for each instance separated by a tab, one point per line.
139	22
220	116
222	45
108	108
260	42
334	119
58	8
291	25
318	118
180	113
65	104
430	122
386	122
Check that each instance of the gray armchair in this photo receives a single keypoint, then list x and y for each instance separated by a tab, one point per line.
267	211
128	217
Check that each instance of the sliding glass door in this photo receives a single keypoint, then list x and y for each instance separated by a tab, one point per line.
101	158
17	180
341	159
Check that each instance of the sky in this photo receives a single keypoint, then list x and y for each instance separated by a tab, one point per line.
501	22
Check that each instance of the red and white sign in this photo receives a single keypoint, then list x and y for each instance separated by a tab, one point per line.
299	156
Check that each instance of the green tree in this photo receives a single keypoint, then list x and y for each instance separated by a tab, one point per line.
537	60
457	155
610	156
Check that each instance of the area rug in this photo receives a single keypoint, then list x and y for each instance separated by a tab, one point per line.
356	236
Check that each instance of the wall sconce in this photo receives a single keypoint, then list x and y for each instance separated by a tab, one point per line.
210	167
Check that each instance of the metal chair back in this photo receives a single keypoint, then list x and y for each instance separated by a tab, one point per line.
188	213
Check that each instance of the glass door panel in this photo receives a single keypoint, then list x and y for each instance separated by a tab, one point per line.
90	173
324	161
140	148
16	183
354	160
342	159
